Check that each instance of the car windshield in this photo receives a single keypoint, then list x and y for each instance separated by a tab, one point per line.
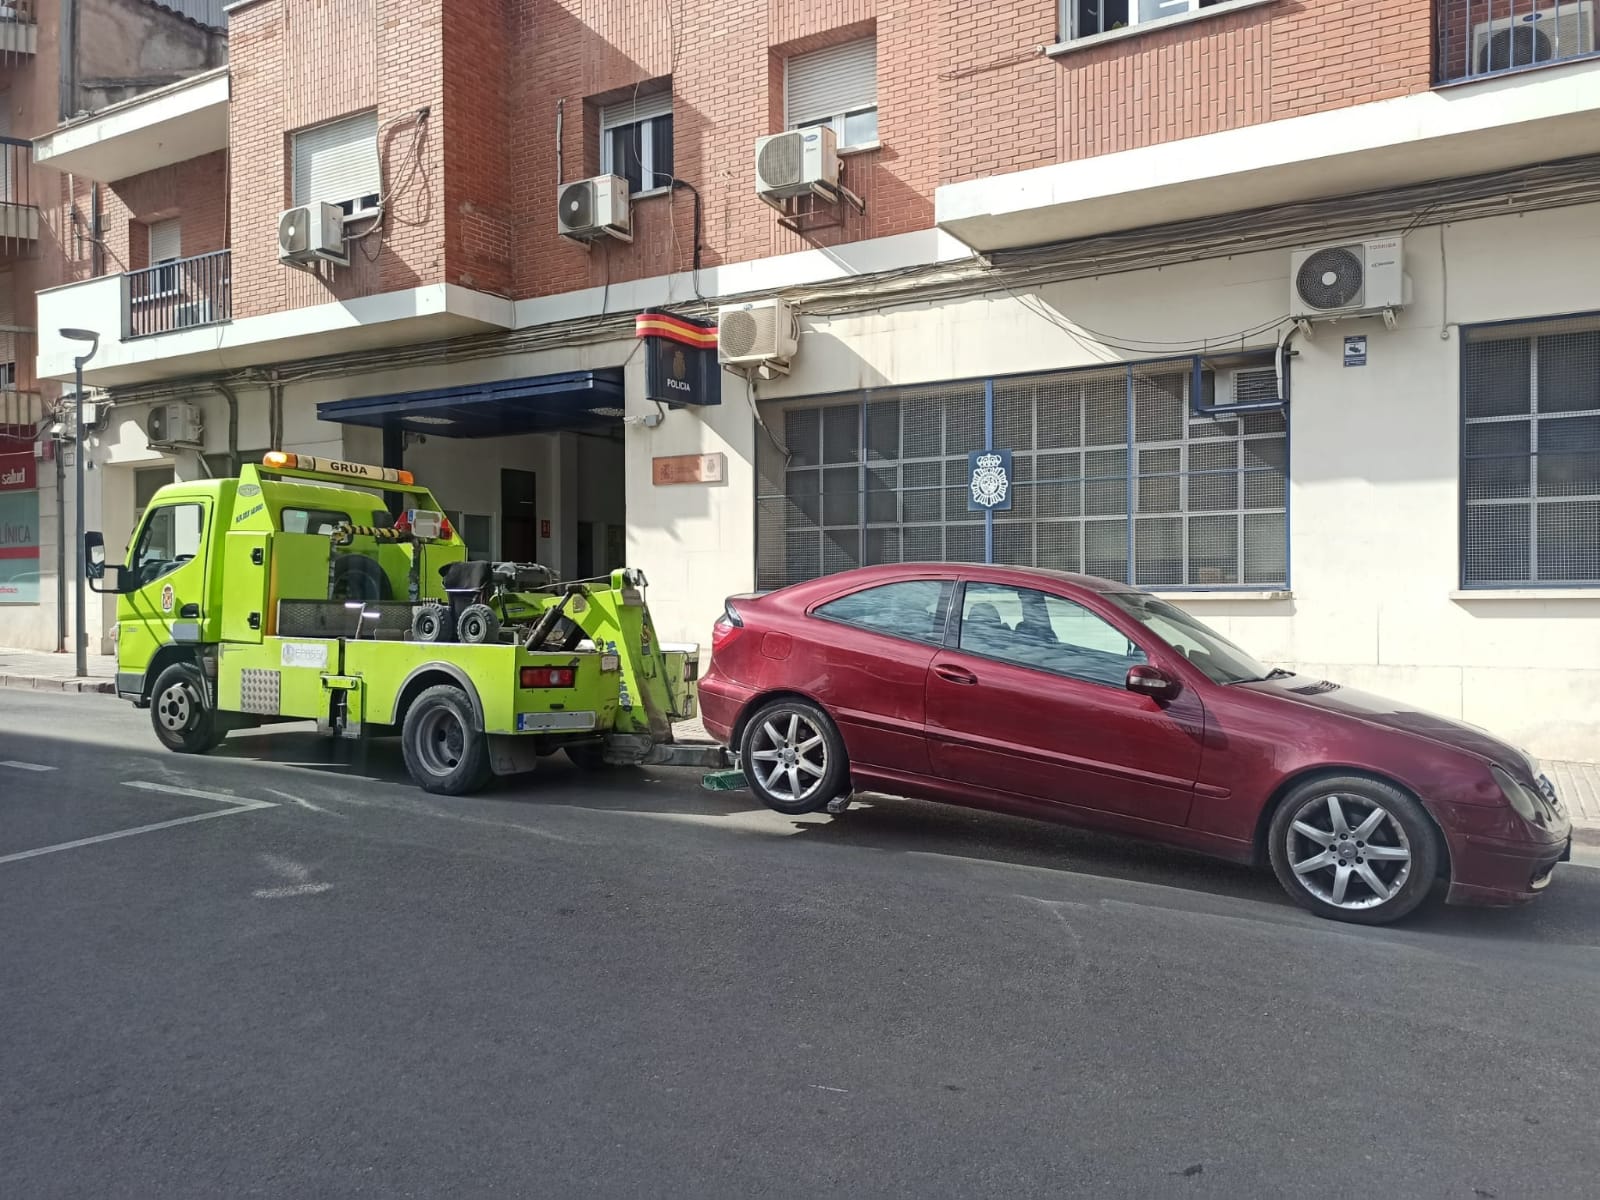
1207	650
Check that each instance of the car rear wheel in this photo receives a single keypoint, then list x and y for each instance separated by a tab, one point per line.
1354	849
793	757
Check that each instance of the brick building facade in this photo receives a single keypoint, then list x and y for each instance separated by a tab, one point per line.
1063	206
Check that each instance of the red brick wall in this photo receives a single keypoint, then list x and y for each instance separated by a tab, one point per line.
476	129
196	192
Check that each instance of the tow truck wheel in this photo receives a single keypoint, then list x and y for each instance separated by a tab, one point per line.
478	625
443	752
181	712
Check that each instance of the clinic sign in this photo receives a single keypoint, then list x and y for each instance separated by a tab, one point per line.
19	529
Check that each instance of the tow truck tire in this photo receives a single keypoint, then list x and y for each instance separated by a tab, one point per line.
181	712
357	577
433	623
443	752
477	625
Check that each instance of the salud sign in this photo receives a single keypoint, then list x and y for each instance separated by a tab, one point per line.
680	360
17	472
19	530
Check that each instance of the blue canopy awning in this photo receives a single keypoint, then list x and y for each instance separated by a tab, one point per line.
537	404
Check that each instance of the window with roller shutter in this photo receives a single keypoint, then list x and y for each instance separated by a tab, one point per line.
337	163
837	87
165	246
636	142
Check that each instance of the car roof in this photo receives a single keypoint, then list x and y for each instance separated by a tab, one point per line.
986	572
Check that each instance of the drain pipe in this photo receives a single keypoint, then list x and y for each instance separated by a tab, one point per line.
232	397
274	409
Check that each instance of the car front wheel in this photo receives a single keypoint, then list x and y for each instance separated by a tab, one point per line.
1354	849
793	757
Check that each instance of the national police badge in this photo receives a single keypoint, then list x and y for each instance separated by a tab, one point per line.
989	481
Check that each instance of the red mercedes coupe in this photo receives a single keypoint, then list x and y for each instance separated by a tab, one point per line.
1085	701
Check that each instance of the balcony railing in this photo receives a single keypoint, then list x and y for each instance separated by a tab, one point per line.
1478	38
19	218
19	12
21	405
182	294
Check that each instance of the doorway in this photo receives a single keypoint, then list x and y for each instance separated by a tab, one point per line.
519	516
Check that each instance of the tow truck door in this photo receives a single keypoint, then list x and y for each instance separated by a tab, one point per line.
168	563
244	566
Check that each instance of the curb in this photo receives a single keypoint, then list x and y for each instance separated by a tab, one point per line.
43	683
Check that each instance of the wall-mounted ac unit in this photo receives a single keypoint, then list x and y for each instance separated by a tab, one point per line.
312	233
762	333
174	424
595	208
1247	387
1346	279
799	162
1544	35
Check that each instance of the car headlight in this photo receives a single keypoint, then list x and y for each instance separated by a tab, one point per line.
1528	803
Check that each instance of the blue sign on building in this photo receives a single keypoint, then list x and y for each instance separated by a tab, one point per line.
989	481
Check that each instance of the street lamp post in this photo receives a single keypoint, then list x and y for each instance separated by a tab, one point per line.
81	639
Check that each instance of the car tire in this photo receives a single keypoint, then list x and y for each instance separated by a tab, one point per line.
433	623
181	711
1354	849
793	757
477	625
444	752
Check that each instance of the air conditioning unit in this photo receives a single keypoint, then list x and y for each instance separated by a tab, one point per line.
312	233
195	312
595	208
762	333
174	424
1346	279
799	162
1544	35
1247	387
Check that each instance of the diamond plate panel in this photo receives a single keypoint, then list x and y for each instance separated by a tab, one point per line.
258	691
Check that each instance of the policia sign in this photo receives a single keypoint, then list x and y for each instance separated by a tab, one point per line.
680	360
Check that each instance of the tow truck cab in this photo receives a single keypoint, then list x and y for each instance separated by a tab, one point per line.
290	593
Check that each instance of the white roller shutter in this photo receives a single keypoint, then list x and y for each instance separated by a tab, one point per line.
626	112
166	241
337	162
828	82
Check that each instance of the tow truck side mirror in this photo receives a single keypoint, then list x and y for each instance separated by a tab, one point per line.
95	566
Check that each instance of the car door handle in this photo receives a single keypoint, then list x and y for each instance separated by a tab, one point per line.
955	675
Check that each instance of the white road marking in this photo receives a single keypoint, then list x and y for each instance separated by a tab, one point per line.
316	808
22	766
236	805
219	797
299	889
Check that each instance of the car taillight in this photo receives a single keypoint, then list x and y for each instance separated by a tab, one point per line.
729	625
548	677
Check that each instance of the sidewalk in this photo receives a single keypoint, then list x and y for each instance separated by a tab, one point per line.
54	672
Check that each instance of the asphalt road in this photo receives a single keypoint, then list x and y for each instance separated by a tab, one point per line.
330	984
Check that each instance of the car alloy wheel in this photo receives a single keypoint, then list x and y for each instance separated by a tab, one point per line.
1348	851
789	755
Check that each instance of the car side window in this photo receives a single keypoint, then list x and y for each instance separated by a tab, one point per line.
171	537
913	608
1034	629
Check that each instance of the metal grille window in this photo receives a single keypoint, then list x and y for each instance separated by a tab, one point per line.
1112	475
1530	454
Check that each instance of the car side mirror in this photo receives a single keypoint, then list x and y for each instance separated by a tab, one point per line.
1153	682
94	555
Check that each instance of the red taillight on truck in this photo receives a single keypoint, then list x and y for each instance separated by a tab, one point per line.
548	677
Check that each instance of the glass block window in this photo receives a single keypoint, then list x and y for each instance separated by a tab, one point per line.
1112	475
1530	454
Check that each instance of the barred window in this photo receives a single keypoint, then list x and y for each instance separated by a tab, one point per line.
1530	454
1112	475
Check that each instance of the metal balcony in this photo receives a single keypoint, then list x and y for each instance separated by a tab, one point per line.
1481	38
19	29
21	403
185	293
